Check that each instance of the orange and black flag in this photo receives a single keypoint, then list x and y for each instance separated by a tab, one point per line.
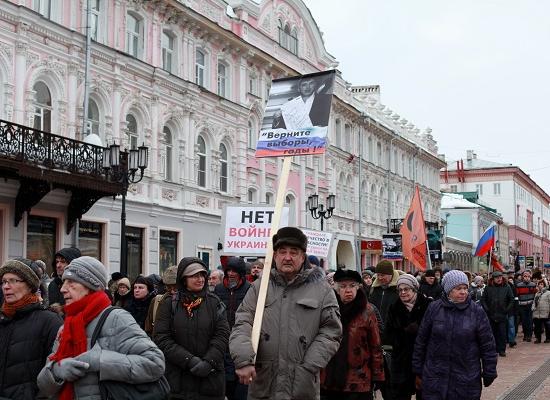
497	266
413	234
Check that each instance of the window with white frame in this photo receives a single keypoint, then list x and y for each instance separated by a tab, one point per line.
223	79
95	13
338	133
269	198
454	188
205	254
132	131
496	189
479	189
201	155
168	55
251	136
347	137
253	83
167	153
134	34
251	196
379	160
290	202
43	7
370	150
42	107
223	168
288	39
92	123
200	68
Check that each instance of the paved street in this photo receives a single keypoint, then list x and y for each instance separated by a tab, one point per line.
519	366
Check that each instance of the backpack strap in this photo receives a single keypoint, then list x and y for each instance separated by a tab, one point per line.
99	326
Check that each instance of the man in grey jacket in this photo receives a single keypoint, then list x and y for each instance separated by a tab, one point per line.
301	328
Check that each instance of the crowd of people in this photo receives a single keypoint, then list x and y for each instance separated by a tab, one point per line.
337	335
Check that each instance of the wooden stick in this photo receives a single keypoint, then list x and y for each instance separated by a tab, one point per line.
279	203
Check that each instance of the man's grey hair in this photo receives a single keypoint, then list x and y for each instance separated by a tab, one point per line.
218	272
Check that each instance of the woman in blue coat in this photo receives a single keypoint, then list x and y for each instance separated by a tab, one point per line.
455	349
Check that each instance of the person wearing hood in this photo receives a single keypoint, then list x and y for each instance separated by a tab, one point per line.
301	328
454	352
27	331
476	288
232	291
430	286
121	353
142	294
357	367
61	259
497	301
191	329
404	319
367	276
123	294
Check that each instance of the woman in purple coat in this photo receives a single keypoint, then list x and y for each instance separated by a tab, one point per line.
455	349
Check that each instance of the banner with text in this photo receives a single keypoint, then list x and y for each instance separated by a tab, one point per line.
248	228
318	243
296	116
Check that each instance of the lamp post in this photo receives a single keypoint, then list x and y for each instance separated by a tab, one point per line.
318	211
123	168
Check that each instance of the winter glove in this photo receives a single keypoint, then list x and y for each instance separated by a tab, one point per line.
91	357
487	381
69	369
193	361
202	369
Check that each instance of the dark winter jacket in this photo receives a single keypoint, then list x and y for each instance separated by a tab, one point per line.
454	349
401	330
383	297
433	291
26	341
139	308
181	336
358	361
54	288
232	298
497	300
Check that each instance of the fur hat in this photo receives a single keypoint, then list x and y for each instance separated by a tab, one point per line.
169	277
409	280
290	236
384	267
452	279
236	264
124	281
22	270
429	273
88	271
342	274
144	280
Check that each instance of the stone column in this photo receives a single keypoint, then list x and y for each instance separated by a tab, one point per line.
21	47
72	106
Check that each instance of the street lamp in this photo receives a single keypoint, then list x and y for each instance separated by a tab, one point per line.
317	210
123	168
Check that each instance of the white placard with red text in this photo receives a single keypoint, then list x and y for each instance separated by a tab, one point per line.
318	243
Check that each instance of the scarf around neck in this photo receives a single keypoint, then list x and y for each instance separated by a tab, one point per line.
410	304
9	310
73	340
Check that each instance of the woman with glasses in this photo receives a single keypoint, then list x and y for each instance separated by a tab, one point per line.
404	318
454	350
357	366
27	331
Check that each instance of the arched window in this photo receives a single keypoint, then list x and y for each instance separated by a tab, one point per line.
338	133
293	41
200	68
288	38
291	204
134	34
348	137
223	80
168	153
92	124
251	196
132	131
251	136
269	198
168	51
42	107
223	168
201	154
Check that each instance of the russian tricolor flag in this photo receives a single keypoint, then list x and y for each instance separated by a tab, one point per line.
486	242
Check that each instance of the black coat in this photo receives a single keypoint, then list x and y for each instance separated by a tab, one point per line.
401	329
139	308
54	291
26	341
433	291
180	337
497	301
232	298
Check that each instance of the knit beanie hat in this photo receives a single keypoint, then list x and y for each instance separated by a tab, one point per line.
409	280
124	281
145	281
290	236
367	272
22	270
452	279
313	260
384	267
170	275
88	271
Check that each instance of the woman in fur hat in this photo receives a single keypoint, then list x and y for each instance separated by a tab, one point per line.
404	318
357	366
27	331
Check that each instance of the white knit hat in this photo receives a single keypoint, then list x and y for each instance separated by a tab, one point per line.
452	279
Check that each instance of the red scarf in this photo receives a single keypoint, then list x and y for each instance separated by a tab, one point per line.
9	310
73	339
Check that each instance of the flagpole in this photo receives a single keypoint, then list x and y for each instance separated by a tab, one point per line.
490	259
429	259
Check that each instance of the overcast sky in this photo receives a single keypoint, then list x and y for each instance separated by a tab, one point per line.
476	71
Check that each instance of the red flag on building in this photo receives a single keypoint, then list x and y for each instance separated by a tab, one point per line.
413	234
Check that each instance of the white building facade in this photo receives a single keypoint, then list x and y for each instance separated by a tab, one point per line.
189	79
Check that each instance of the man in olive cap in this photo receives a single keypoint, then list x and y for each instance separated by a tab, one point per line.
301	328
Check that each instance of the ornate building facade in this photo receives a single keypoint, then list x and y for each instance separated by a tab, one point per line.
189	79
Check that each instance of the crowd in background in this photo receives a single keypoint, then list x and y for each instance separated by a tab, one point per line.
337	334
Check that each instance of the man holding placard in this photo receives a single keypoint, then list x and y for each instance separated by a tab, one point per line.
301	328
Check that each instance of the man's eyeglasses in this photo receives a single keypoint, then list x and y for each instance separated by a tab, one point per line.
11	282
